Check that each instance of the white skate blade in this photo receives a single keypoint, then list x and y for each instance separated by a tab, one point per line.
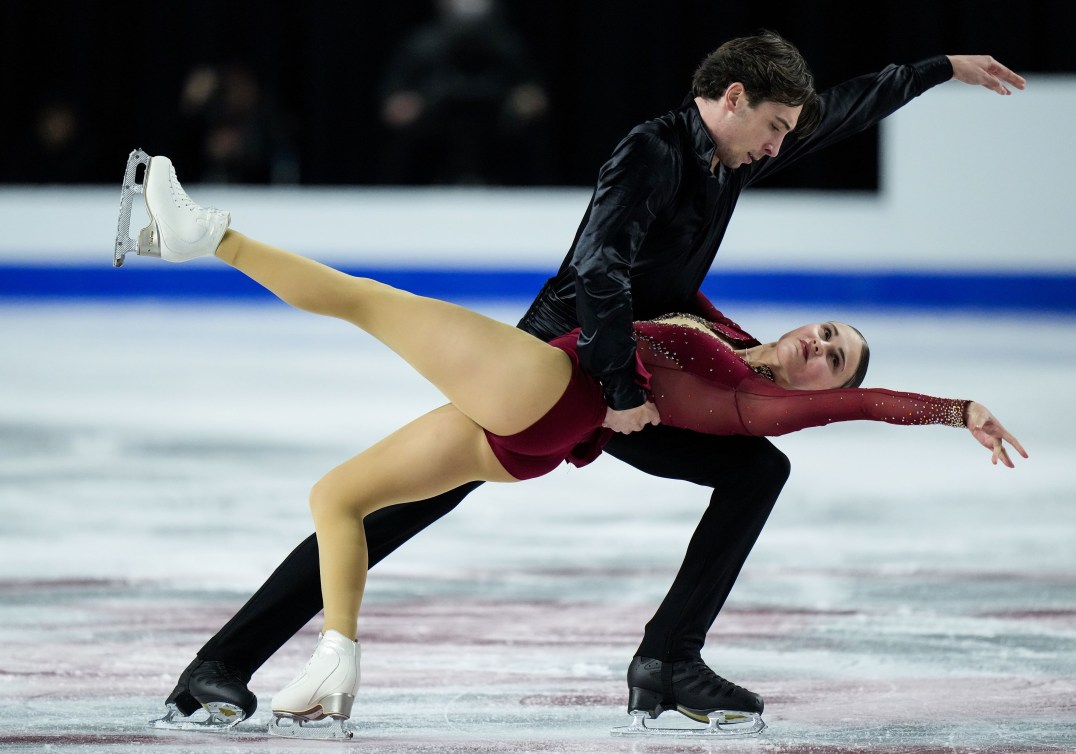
216	717
722	725
326	729
131	187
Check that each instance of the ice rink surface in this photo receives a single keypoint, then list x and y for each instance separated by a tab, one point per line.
155	459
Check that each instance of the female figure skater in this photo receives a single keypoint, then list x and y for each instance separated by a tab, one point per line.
519	406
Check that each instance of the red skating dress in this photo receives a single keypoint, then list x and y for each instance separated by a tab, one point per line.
698	383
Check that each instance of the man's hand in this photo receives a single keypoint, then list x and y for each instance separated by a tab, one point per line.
983	70
632	419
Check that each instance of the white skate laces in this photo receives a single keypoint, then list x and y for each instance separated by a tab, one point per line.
178	229
325	688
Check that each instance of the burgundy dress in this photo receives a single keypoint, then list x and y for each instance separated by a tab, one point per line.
698	383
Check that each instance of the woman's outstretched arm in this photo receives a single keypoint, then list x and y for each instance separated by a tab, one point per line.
701	385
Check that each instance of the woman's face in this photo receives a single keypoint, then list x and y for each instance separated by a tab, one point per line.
818	356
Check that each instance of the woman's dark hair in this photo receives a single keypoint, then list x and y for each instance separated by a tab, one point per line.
864	359
770	68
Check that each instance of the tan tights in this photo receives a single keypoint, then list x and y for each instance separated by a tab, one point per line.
496	376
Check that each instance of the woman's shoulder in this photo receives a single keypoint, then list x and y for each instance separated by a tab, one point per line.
693	344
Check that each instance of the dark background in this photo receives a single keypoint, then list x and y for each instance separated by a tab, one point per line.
119	70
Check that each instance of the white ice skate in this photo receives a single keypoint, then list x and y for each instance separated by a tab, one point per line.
325	689
178	229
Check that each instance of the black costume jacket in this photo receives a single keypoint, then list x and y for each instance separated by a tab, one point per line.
658	215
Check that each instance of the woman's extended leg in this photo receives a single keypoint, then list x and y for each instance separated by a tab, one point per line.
496	374
501	377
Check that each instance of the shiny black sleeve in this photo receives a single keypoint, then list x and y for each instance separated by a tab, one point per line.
639	179
857	104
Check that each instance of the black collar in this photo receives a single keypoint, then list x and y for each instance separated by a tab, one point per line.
701	140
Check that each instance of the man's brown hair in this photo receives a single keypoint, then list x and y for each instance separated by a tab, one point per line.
770	68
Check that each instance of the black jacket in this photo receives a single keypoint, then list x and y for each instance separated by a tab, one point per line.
658	215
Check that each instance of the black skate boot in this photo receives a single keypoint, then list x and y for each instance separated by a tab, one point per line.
691	688
213	686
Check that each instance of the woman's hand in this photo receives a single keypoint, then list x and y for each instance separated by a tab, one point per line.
990	434
632	419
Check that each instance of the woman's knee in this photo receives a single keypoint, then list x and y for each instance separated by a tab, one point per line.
328	500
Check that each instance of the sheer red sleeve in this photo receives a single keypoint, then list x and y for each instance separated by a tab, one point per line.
698	383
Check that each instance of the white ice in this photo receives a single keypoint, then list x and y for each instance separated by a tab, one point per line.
169	447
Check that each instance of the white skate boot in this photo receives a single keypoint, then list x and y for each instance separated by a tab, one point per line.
326	688
178	229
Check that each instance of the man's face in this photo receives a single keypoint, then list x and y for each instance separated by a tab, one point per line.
747	132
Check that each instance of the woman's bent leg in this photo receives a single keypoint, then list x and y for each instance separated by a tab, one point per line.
433	454
501	377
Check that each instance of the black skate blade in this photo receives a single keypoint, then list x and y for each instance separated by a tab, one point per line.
216	717
131	188
722	724
326	729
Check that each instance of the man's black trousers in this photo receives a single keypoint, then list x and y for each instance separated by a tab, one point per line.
745	473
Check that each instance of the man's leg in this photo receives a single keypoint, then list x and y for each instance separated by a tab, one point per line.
747	474
286	602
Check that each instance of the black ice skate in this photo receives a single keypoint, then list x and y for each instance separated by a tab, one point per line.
210	696
694	690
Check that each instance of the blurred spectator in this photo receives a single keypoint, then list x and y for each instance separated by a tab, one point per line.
56	146
232	130
463	104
